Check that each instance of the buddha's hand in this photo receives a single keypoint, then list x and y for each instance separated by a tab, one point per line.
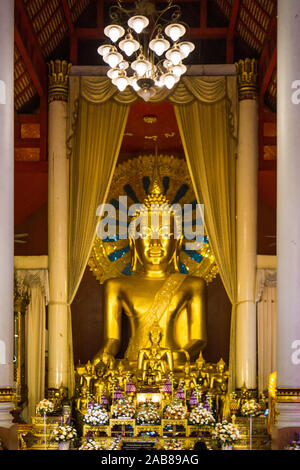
105	357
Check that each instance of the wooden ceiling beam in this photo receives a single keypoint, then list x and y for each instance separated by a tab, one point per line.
28	63
268	58
266	78
68	16
231	32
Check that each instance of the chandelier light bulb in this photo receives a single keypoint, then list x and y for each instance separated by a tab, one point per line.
141	66
186	48
113	73
159	45
104	50
174	55
138	23
175	31
121	83
129	46
123	65
114	32
133	83
169	80
113	59
179	70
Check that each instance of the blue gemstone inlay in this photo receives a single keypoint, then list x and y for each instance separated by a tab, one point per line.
127	271
131	193
194	255
146	184
118	254
183	269
180	193
166	183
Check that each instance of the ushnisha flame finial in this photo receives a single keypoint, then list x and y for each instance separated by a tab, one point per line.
156	195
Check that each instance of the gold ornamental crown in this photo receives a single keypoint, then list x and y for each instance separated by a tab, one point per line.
247	75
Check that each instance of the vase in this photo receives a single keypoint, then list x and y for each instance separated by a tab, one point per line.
227	447
64	445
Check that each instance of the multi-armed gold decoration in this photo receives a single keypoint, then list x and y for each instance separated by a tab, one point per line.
247	75
58	76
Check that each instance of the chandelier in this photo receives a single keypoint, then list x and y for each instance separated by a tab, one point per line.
146	47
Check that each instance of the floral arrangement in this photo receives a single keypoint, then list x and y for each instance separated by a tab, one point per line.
225	433
148	414
172	444
201	416
115	444
124	408
44	407
89	444
176	410
64	433
96	415
251	408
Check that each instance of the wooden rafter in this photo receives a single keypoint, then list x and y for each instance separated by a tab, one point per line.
68	16
28	63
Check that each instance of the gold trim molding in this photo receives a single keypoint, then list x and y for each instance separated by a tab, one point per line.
58	80
247	75
7	394
288	395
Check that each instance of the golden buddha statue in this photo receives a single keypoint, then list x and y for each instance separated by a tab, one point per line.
155	362
219	378
156	292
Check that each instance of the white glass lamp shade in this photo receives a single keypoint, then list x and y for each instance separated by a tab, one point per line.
174	55
123	65
114	32
133	83
113	59
121	82
175	31
129	46
186	48
169	80
179	70
159	45
113	73
138	23
104	49
141	66
167	64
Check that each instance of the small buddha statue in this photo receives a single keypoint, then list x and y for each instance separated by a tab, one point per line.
190	379
202	373
156	291
121	375
89	376
219	378
83	400
154	362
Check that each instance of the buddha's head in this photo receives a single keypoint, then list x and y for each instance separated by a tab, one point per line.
221	366
159	242
155	334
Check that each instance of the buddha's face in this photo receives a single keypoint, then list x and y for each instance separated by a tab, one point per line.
155	336
156	245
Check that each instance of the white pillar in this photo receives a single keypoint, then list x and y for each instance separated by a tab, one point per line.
57	225
6	209
288	213
247	225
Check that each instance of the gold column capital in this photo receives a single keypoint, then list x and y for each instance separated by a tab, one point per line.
58	80
247	74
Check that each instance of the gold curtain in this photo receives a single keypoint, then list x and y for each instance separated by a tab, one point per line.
99	130
210	147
